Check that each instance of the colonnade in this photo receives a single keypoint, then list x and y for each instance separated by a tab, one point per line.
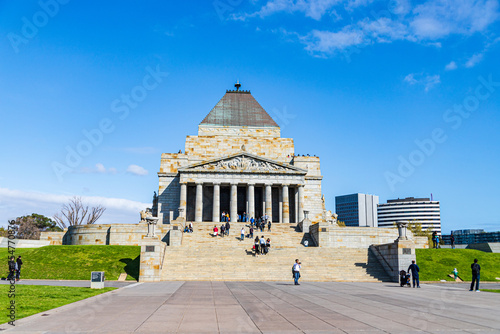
284	202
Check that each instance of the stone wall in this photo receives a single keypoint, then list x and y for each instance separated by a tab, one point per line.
395	256
53	238
22	243
168	198
204	148
327	235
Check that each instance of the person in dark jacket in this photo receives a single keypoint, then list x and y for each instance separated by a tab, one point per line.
476	270
414	269
12	269
19	264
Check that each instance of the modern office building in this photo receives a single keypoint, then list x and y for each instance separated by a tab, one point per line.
476	236
357	209
421	210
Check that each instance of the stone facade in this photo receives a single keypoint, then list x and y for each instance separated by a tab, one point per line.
238	163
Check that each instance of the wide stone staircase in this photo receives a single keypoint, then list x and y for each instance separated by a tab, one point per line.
204	257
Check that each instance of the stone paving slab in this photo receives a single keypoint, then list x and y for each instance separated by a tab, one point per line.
273	307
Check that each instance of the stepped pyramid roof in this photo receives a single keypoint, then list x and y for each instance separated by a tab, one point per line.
238	108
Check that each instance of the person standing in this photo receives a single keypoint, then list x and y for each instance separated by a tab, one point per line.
242	234
296	271
19	263
228	226
269	226
251	231
256	245
262	245
252	221
12	269
414	269
434	234
223	230
452	239
476	270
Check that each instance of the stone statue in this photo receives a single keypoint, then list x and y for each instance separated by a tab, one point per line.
146	214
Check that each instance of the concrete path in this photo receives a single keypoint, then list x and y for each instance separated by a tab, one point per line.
273	307
81	284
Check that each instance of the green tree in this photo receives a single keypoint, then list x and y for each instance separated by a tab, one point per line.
341	223
416	228
29	227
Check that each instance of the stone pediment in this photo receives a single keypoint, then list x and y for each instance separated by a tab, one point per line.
244	163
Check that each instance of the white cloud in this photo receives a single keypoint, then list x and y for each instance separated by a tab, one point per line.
428	81
451	66
314	9
426	23
328	42
15	203
99	169
137	170
474	60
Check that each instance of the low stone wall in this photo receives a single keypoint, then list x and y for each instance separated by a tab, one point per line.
22	243
333	236
105	234
53	238
489	247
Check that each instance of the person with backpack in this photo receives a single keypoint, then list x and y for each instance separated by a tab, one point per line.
476	270
12	269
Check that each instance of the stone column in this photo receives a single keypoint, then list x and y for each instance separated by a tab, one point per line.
280	205
301	202
269	204
199	202
216	204
251	201
183	201
234	203
286	205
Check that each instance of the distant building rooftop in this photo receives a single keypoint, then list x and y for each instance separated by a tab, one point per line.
408	199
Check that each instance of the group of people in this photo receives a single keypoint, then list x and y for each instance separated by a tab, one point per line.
261	245
15	268
476	274
224	217
188	228
223	230
435	239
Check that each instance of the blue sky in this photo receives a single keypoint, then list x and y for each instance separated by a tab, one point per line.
397	98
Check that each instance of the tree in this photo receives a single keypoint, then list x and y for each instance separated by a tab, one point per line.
30	227
416	228
77	213
341	223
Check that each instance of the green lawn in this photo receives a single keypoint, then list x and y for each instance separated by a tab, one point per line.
436	264
32	299
76	262
490	290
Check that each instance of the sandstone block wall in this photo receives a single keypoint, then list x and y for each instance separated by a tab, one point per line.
169	197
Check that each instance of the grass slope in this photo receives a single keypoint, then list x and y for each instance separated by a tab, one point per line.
32	299
436	264
76	262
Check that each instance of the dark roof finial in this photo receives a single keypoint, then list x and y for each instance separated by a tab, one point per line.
237	85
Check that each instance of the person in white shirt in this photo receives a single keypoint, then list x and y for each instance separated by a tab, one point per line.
242	234
262	245
296	271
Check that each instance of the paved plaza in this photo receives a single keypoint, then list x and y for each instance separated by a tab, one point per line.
273	307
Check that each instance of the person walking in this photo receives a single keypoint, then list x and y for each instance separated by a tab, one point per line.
223	230
296	271
452	239
251	231
414	269
476	270
242	234
19	263
269	226
12	269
